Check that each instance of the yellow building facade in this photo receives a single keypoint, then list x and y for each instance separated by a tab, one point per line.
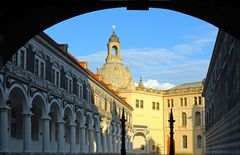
188	110
150	131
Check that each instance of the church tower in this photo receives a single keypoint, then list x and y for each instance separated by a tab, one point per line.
113	49
114	72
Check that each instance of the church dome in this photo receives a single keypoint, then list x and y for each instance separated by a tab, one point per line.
113	71
118	75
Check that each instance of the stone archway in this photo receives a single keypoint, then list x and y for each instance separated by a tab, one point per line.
39	114
36	17
140	144
69	129
81	130
19	119
56	127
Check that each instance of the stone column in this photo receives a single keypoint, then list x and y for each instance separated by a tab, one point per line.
110	143
91	140
98	134
131	147
126	143
4	129
147	149
45	145
73	138
119	143
60	136
114	142
82	138
105	148
27	132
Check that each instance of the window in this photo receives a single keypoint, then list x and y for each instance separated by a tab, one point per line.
55	76
195	100
153	105
153	147
39	67
197	118
42	66
184	119
79	90
172	103
181	102
89	96
185	101
106	104
157	105
119	112
96	102
199	141
15	59
184	141
19	58
36	68
69	85
137	103
168	101
141	103
200	100
22	58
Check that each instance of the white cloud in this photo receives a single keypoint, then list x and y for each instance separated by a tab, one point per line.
154	84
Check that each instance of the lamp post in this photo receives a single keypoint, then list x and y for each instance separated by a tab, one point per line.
171	121
123	120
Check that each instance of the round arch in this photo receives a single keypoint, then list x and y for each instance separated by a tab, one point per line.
80	117
20	105
20	94
39	98
35	19
69	113
55	107
140	144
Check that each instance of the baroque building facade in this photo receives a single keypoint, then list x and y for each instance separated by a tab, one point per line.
50	102
152	107
221	92
188	108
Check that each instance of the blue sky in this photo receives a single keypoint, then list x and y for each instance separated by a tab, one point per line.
164	47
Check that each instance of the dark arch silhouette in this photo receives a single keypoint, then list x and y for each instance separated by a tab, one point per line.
22	20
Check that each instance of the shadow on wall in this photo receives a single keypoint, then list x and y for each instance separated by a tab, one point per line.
49	102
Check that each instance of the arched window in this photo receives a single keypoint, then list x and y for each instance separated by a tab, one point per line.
184	119
184	142
199	141
115	50
197	118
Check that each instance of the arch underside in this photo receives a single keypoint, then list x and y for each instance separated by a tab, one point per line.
35	19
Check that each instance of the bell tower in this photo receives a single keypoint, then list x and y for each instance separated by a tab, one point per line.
113	49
